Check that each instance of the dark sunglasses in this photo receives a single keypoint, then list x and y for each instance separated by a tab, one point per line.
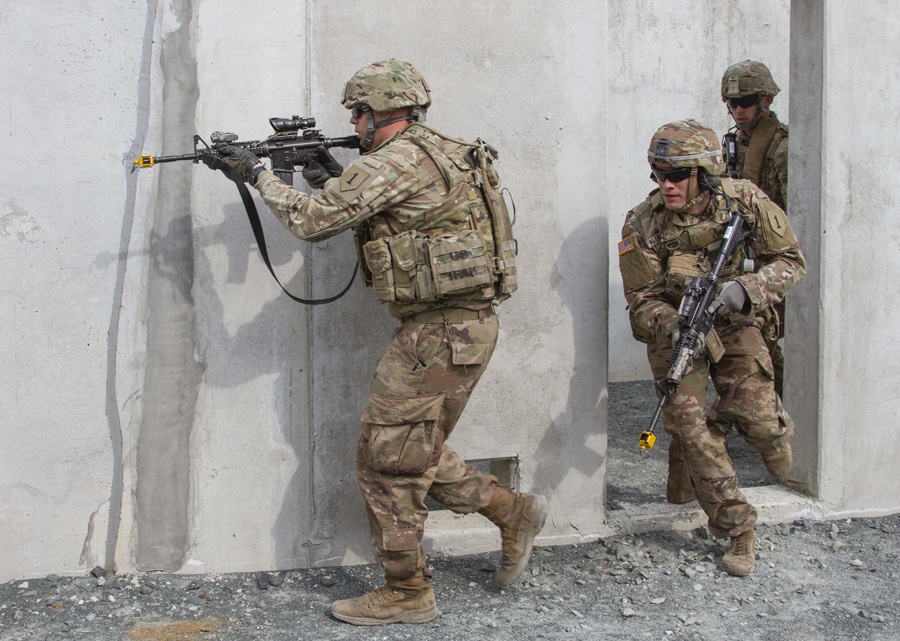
744	101
673	176
358	110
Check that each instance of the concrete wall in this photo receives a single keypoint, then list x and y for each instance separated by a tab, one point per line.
164	406
842	382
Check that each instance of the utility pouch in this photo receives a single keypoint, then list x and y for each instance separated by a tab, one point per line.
459	263
505	245
714	348
403	252
378	260
683	268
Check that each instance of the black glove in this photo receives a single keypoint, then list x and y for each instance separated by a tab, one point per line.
317	173
240	159
732	298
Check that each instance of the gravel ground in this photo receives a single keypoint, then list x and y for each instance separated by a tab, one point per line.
814	581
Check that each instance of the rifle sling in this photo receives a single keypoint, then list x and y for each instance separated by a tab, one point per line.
256	225
762	137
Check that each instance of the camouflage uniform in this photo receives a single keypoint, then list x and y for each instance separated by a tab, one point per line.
660	252
425	378
768	169
773	178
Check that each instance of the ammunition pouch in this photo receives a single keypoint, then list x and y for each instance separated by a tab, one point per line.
411	267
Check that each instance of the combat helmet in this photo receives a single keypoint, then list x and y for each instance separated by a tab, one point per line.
685	144
747	78
385	86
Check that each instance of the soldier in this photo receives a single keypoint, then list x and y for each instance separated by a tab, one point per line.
756	149
761	140
667	240
760	143
414	194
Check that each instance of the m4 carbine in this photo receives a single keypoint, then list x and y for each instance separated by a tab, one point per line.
293	144
695	321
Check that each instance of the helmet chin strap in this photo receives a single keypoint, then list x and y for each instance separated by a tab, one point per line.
417	114
693	201
759	112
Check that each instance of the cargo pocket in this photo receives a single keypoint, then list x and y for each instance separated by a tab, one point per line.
402	431
465	352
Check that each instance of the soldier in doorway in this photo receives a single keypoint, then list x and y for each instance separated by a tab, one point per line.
756	149
429	227
671	238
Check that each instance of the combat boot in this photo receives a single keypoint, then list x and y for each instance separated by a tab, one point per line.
779	462
740	559
679	488
520	517
400	601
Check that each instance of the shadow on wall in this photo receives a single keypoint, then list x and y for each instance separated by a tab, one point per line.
577	436
318	519
271	343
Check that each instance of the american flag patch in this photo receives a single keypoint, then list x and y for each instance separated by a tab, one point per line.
626	245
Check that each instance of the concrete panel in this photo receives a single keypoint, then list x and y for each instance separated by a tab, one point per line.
860	356
68	115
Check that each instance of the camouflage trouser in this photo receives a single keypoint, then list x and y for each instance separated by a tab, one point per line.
419	390
744	382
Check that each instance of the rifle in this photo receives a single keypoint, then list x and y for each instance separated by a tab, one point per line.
695	321
729	148
293	144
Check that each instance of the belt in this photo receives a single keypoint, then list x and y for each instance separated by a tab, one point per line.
452	315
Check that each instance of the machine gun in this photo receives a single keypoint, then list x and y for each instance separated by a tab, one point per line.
293	144
729	149
695	321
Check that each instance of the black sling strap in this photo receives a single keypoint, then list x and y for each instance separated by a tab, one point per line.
255	224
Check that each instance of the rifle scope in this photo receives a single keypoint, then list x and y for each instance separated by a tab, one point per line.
293	123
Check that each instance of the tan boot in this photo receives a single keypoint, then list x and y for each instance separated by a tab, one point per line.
407	601
679	488
779	462
740	559
520	517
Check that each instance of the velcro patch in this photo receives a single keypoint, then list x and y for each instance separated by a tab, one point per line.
626	245
353	178
777	220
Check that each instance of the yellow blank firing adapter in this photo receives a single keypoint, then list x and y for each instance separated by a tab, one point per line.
647	440
147	160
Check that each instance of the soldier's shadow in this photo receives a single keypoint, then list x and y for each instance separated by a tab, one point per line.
577	436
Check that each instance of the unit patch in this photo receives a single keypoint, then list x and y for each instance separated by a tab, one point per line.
353	178
626	245
777	221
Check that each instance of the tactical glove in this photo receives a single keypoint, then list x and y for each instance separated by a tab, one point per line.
317	173
732	298
240	159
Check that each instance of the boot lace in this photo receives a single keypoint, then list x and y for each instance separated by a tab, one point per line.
741	545
384	594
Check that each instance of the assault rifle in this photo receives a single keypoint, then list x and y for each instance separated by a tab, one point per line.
729	148
695	321
293	144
